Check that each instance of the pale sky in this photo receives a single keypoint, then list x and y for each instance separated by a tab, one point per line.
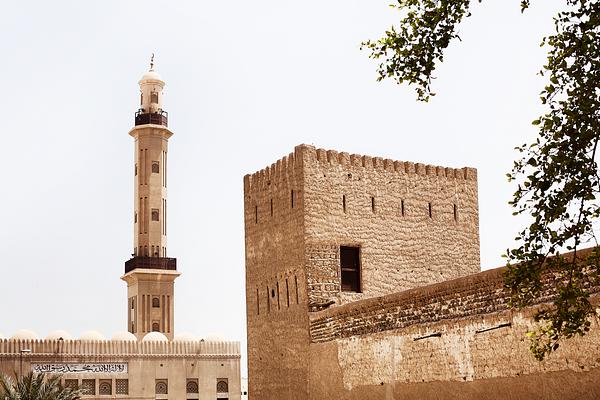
245	83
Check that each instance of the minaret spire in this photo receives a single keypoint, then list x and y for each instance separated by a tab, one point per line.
150	274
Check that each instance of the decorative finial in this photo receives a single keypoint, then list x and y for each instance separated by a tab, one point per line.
152	62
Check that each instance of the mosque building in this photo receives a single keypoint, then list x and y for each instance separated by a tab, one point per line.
148	361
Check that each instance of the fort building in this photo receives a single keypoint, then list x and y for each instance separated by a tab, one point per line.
363	282
148	360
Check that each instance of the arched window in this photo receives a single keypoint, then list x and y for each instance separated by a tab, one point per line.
154	97
162	386
105	387
191	386
222	386
155	328
155	302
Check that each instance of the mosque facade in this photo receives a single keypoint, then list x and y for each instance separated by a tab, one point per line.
148	360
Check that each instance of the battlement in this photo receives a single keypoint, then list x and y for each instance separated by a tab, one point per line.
309	154
115	348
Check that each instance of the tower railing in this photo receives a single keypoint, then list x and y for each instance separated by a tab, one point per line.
163	263
158	118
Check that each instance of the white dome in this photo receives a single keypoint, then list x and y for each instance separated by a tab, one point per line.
25	334
92	335
151	76
2	336
214	338
58	335
123	336
155	337
185	337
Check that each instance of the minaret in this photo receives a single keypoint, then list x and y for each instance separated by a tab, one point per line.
150	275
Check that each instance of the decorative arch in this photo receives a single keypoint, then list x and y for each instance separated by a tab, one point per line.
161	387
222	386
191	386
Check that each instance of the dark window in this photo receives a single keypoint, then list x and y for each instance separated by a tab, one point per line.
402	207
155	327
271	207
455	213
155	302
192	386
344	202
430	211
292	199
153	97
135	169
155	214
161	386
222	385
155	167
105	387
141	98
88	387
350	266
373	204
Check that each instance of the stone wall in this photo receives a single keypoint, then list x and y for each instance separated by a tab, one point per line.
460	332
276	307
411	222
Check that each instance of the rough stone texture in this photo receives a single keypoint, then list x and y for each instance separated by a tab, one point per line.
295	223
398	252
278	334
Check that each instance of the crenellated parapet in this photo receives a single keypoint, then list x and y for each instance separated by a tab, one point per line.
117	348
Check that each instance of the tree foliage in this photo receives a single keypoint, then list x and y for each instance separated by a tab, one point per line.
36	387
556	176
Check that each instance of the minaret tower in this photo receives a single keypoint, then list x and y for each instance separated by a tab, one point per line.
150	275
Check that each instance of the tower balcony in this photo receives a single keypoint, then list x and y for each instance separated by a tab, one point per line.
158	118
151	263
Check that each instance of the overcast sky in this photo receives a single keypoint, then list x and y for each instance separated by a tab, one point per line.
246	81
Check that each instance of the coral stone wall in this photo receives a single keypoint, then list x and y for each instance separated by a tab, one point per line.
411	222
276	308
460	332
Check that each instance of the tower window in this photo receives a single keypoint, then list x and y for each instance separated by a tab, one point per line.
155	327
191	386
271	207
155	214
155	167
135	169
161	386
135	218
455	213
155	302
430	211
350	268
122	386
344	203
141	99
154	97
402	207
292	199
105	387
372	203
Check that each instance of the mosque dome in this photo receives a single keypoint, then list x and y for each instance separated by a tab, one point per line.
123	336
25	334
155	337
59	334
214	338
185	337
92	335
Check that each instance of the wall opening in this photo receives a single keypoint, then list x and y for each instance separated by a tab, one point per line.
287	292
271	207
155	302
455	213
155	167
155	327
268	301
430	211
256	214
296	286
257	302
278	302
292	198
155	214
402	207
373	204
350	268
344	203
